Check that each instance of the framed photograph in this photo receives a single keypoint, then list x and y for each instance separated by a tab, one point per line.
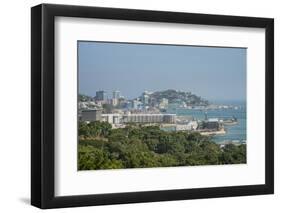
139	106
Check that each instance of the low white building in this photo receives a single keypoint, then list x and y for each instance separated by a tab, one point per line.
191	125
149	118
112	118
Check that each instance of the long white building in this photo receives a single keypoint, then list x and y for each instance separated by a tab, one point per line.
118	118
149	118
139	118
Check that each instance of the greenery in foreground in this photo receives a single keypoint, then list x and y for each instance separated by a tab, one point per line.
101	147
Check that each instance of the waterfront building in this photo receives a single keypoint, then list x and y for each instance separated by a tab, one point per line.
91	115
101	95
192	125
211	124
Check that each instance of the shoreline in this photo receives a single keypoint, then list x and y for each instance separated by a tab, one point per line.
212	133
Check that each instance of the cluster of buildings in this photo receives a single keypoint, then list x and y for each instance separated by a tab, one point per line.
117	101
140	110
123	111
208	126
102	98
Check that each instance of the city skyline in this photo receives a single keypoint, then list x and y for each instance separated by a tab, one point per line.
210	72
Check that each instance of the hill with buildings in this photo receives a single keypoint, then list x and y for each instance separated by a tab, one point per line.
178	97
158	100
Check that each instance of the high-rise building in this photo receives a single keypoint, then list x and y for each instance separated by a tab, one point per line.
145	97
135	104
101	95
116	94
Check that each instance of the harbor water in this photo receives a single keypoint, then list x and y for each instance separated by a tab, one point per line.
234	133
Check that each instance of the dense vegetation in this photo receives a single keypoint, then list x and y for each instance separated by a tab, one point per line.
101	147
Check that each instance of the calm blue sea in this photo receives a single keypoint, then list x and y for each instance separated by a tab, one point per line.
236	132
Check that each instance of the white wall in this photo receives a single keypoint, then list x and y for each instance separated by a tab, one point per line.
15	100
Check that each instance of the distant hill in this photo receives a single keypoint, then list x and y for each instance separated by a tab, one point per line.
175	96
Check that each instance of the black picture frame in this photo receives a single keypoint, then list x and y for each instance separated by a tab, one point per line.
43	102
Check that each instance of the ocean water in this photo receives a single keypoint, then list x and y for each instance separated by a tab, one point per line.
237	132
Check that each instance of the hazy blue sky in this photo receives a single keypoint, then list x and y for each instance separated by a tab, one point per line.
213	73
